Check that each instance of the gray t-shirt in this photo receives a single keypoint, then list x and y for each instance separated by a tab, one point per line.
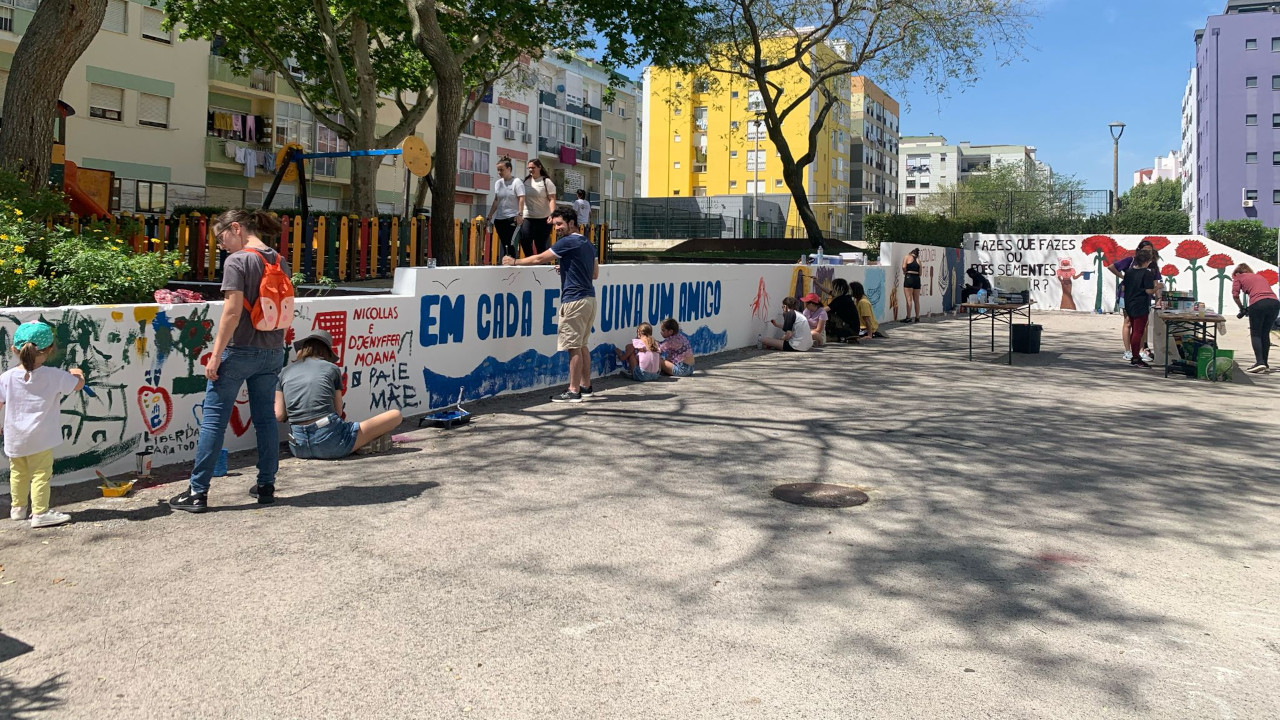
243	271
308	388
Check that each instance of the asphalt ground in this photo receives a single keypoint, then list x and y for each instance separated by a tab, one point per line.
1063	538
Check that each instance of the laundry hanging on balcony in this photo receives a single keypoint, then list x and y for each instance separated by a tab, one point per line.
238	126
568	155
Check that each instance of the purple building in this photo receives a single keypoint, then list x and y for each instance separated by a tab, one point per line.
1237	162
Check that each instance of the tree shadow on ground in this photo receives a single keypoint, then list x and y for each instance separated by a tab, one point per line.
17	701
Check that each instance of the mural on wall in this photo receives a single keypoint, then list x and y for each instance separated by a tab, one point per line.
1071	272
939	292
484	331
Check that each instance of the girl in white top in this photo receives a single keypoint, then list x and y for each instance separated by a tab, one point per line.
583	208
539	201
31	394
508	206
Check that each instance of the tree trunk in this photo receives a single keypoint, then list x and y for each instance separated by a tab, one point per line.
58	35
364	185
449	115
793	176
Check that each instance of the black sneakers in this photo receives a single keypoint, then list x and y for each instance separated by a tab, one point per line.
585	392
190	502
266	494
567	397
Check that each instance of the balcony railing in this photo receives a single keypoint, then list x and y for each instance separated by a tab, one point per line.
589	156
477	128
258	79
548	98
547	145
473	180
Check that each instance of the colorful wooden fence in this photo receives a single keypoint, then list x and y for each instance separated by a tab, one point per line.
344	249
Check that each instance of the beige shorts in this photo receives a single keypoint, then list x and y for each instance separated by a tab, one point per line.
575	323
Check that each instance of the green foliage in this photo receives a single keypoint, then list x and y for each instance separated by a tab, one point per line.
1247	236
1024	193
40	204
1161	195
921	229
42	265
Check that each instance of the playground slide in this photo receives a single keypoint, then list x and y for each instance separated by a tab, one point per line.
81	202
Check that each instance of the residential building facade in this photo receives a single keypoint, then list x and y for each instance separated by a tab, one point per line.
177	128
1168	167
1238	114
928	165
704	138
873	156
1189	151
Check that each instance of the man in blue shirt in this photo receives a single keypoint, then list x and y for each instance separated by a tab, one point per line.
578	271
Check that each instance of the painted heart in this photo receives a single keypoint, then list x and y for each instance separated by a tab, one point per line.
156	407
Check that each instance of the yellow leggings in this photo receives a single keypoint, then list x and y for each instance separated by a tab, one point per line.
31	474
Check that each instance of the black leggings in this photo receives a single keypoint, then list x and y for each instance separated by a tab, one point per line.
535	236
506	230
1262	317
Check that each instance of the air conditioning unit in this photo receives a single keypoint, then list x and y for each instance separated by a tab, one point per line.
526	137
1247	203
509	134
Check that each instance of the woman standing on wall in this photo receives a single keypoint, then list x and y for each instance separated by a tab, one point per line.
508	206
911	284
539	202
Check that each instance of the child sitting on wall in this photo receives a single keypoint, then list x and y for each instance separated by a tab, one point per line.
642	360
677	351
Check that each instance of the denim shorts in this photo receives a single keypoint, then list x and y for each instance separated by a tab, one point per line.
642	376
335	440
681	369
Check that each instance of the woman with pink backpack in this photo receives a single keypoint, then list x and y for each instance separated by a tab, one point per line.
248	350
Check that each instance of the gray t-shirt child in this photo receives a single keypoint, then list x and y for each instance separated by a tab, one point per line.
308	387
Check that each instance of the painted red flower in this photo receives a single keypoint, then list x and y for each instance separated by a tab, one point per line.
1191	250
1219	261
1097	244
1117	254
1169	271
1159	242
1270	276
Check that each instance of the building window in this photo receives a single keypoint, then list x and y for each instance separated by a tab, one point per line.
777	183
153	26
1251	44
733	153
701	85
152	196
1250	120
675	192
677	137
911	183
1275	82
1251	81
1250	158
1275	44
676	165
295	123
6	19
733	94
699	190
911	201
1275	120
733	184
153	110
756	160
116	18
114	203
677	111
106	102
328	141
1275	158
733	125
1250	194
1275	196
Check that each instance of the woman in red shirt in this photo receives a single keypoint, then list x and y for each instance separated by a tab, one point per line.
1263	309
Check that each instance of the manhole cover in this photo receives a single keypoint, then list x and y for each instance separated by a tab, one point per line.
820	495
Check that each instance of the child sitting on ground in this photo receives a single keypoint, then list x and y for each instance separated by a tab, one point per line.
796	336
31	394
677	352
642	360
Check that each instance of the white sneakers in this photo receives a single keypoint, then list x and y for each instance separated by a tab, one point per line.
19	512
1128	355
1147	356
1258	369
49	518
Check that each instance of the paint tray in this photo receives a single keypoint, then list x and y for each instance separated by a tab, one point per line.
448	418
113	489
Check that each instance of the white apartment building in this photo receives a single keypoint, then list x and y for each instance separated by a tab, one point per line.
1188	153
928	163
1164	168
173	126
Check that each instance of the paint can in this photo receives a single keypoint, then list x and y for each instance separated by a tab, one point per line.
220	467
144	463
431	263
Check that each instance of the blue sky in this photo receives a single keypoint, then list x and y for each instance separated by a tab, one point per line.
1087	63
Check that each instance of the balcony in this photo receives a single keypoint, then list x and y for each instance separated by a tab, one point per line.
549	146
473	180
260	80
479	129
591	157
548	98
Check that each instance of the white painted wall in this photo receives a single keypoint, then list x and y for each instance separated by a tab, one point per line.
488	331
1041	258
942	278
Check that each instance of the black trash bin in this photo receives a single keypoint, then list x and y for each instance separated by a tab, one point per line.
1026	338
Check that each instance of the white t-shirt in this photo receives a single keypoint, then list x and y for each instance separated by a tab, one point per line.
800	340
583	209
507	193
32	419
539	198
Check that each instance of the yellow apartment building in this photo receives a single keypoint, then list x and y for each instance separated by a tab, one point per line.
706	139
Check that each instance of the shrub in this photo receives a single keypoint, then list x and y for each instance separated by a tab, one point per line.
1247	236
921	228
42	264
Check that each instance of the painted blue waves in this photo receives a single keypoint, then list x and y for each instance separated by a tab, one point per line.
531	370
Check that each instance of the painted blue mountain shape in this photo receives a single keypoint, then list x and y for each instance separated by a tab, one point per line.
531	370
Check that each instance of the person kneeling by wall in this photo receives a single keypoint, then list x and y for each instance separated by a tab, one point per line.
309	398
796	335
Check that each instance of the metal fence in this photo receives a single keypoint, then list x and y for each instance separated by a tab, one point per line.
1013	208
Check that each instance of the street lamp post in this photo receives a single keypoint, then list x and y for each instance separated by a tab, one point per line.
1117	129
608	190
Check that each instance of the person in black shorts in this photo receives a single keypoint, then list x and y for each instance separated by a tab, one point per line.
911	283
795	329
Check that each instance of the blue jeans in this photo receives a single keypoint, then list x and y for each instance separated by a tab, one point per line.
259	368
336	439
